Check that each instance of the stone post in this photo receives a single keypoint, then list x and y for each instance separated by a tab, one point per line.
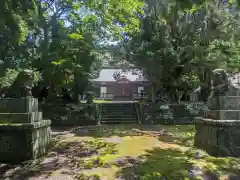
218	130
24	135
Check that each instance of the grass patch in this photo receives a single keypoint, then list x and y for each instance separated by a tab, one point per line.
171	156
137	147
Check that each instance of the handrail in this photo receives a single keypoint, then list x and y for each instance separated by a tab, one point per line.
100	114
138	115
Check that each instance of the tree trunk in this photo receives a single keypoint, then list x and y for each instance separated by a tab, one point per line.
153	95
153	119
76	88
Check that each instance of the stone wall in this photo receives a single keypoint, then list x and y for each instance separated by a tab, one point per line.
71	115
183	113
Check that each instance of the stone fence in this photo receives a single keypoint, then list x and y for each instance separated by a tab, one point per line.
71	115
182	113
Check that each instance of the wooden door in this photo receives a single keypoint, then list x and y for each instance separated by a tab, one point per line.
123	91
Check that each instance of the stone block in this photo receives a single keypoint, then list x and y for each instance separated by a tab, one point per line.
222	114
21	142
180	110
224	103
21	117
229	144
233	91
218	138
206	138
21	105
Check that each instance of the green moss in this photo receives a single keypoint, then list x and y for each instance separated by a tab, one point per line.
168	156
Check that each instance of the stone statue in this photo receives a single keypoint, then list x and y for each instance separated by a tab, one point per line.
223	85
22	86
217	132
90	96
220	82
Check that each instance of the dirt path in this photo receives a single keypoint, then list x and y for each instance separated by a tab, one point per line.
117	153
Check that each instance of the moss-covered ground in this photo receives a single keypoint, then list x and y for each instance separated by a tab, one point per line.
128	152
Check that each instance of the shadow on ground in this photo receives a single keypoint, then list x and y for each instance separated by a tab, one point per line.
174	164
179	134
104	131
159	164
66	157
59	157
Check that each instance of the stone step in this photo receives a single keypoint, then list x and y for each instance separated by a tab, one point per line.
118	115
117	108
119	112
119	104
118	119
118	122
21	117
109	106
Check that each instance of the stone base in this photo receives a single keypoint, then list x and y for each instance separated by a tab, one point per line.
21	117
19	105
218	138
179	110
21	142
222	114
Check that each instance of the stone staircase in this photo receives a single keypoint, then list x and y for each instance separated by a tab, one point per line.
118	113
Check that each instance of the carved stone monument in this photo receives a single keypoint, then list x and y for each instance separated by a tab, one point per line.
218	131
24	135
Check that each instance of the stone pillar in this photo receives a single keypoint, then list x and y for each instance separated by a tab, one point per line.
24	135
218	130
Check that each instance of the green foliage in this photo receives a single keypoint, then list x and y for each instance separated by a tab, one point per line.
75	36
8	79
62	39
103	146
11	74
175	41
14	15
186	82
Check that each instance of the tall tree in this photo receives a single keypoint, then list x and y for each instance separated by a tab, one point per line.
174	41
62	38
